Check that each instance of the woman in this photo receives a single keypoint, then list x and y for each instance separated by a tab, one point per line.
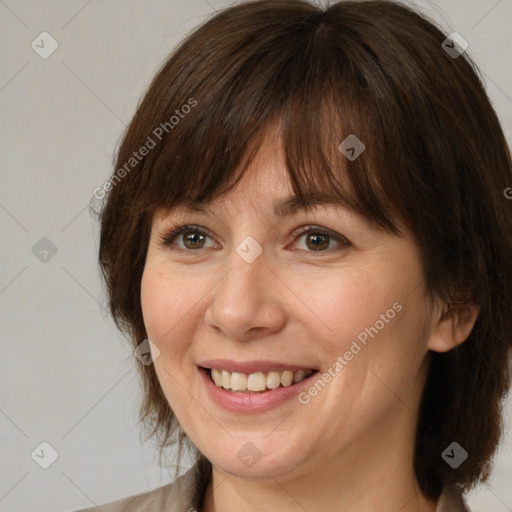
307	240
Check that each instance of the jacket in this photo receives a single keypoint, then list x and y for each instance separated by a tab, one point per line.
186	493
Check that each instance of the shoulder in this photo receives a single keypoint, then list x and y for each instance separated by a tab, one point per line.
183	495
154	500
452	500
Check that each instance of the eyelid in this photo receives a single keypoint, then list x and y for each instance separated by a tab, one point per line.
169	235
313	228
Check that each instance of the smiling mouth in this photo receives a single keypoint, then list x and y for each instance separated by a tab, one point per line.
257	382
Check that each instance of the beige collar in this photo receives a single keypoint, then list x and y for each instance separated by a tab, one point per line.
186	494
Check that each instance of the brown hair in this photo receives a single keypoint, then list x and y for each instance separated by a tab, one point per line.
435	159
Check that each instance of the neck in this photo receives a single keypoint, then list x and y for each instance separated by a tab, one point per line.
369	475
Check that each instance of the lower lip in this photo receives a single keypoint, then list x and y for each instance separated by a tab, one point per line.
251	402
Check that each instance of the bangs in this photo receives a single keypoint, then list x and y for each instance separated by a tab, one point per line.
316	92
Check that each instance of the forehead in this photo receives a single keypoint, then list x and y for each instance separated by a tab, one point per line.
266	184
281	207
274	210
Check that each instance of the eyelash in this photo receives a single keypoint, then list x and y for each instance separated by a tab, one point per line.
168	237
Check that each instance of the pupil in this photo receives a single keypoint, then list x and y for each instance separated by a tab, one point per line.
193	239
317	242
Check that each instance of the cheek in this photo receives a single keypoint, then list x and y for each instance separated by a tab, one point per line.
376	323
153	299
172	310
347	307
164	302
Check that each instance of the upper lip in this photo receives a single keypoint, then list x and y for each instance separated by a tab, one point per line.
251	366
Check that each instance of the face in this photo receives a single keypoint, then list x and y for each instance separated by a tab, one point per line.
256	296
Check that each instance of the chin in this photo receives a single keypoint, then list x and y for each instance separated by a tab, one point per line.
256	457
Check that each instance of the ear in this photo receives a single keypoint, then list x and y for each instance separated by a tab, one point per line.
452	326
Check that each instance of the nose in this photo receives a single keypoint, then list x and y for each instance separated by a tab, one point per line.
245	303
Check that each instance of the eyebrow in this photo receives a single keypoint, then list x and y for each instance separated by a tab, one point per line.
289	206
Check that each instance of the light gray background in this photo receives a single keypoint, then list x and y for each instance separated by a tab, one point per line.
67	377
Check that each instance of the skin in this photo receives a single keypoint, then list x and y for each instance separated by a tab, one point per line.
351	447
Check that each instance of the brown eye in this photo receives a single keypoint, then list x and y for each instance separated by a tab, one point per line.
319	240
192	238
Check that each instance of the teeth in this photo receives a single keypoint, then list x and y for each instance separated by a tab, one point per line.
238	381
273	380
287	378
298	376
217	377
257	381
226	379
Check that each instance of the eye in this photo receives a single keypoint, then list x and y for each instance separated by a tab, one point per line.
319	240
193	237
